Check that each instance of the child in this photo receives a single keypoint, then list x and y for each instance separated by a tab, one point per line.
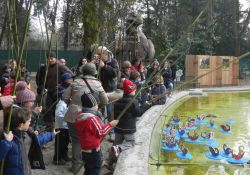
158	89
62	139
20	148
124	132
25	98
91	132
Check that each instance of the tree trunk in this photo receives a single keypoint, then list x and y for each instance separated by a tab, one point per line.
3	28
236	27
66	26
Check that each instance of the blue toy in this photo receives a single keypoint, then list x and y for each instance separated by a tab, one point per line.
240	161
184	154
200	122
231	122
167	148
225	132
199	140
210	156
214	154
212	143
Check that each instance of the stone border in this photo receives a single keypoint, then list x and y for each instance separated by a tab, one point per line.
135	160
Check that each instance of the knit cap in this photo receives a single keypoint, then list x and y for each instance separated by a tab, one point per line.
25	95
128	86
89	100
89	69
66	76
21	85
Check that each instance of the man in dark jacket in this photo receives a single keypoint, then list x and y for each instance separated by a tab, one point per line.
55	71
124	131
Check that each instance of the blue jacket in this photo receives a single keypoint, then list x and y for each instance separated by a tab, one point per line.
12	151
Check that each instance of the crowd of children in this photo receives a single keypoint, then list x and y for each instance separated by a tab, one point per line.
77	110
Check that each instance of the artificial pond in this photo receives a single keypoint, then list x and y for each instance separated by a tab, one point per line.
225	106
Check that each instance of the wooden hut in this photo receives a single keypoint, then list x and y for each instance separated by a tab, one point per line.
212	70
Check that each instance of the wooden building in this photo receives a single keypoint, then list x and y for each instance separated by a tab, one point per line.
209	71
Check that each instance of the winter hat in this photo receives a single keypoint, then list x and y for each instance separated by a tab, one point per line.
89	69
21	85
66	76
128	86
25	95
89	100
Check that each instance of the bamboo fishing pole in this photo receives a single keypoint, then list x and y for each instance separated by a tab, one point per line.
20	54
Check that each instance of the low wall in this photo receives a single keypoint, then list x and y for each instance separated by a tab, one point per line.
135	160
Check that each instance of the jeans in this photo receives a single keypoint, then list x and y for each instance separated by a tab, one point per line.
93	163
76	148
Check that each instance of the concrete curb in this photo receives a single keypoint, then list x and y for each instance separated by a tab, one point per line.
135	160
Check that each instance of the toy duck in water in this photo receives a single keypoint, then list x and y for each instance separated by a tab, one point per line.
211	123
170	141
181	130
207	135
176	119
226	149
193	137
200	117
225	127
240	153
184	150
214	151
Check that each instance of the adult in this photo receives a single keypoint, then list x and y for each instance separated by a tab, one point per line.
55	71
72	95
167	76
173	68
62	61
108	72
82	62
126	69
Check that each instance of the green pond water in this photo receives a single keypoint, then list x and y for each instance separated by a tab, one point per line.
225	106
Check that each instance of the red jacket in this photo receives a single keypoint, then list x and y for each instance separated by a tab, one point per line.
90	130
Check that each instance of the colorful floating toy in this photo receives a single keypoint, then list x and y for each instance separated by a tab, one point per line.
210	139
176	120
238	158
181	132
211	124
193	138
227	151
200	120
170	144
184	153
226	129
214	154
190	125
231	122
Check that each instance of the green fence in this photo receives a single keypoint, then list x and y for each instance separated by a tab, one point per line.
33	58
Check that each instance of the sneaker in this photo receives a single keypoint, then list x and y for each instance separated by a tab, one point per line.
59	162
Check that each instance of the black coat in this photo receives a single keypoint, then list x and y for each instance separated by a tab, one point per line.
108	75
127	123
